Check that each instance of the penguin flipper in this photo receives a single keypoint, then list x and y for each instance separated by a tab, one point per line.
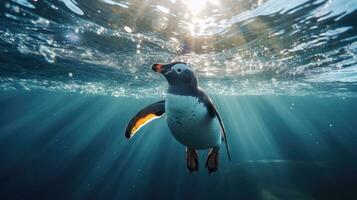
144	116
212	111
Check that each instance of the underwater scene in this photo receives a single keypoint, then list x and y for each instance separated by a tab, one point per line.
101	99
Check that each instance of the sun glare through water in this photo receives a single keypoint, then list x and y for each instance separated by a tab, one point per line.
196	6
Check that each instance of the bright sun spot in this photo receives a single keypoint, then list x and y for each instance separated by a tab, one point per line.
195	6
198	23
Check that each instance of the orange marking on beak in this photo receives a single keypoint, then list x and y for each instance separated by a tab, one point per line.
141	122
158	67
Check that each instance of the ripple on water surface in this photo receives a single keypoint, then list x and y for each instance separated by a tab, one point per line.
254	47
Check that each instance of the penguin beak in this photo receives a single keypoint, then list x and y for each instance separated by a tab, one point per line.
160	68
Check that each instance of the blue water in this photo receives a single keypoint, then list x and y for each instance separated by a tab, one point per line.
283	75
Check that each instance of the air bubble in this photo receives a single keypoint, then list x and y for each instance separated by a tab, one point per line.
128	29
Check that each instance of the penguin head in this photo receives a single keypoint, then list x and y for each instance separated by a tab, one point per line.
177	74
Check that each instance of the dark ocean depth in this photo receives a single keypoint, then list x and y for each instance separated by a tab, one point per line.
56	145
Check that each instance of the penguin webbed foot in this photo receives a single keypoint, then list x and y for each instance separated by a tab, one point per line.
191	160
212	161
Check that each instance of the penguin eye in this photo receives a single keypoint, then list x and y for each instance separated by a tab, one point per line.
179	70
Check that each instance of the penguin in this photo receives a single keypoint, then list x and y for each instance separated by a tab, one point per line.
192	118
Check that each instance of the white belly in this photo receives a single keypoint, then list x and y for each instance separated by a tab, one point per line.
190	123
